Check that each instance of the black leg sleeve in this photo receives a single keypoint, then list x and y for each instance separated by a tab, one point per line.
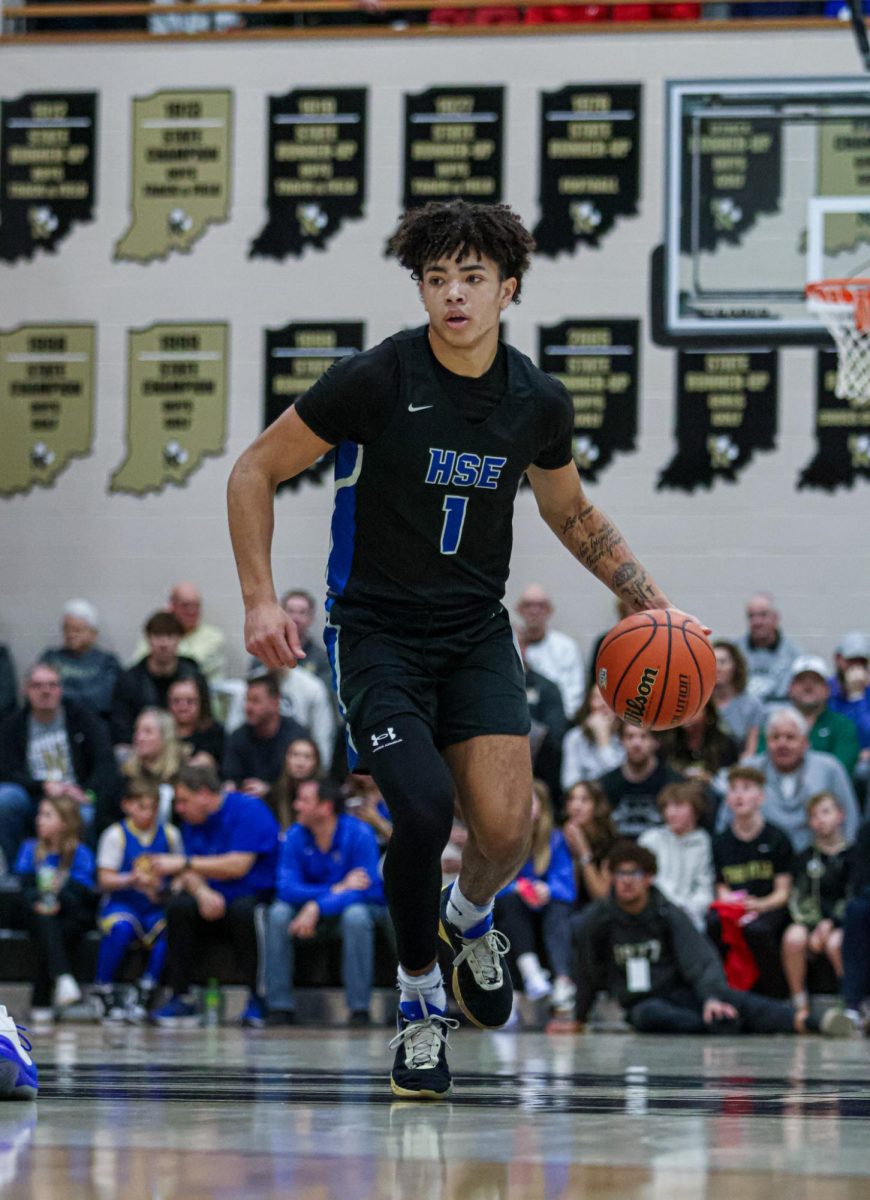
418	788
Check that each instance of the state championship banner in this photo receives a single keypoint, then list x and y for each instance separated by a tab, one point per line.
597	361
726	411
589	163
48	143
46	402
842	431
454	145
317	168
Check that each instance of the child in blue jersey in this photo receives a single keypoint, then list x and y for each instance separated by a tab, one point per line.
132	909
57	901
539	903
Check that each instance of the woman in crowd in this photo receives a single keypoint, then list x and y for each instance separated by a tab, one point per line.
190	705
57	901
301	762
592	747
157	755
589	834
538	904
702	750
741	713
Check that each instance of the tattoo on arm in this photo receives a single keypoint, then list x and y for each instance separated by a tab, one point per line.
622	575
571	522
599	546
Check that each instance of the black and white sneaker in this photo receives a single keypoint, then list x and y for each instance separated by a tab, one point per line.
420	1070
481	986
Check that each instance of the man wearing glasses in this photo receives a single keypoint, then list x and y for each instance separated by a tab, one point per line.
52	747
666	975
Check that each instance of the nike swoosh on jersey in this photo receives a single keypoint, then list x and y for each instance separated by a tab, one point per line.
419	407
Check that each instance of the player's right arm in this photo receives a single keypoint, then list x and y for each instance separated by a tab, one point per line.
282	451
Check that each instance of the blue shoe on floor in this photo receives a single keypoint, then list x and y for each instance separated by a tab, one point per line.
179	1013
254	1016
19	1079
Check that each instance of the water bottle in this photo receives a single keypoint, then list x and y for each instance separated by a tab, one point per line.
211	1004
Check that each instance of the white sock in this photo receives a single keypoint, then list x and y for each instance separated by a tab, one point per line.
430	986
462	913
529	966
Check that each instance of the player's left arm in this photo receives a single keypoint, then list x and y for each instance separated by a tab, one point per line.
592	537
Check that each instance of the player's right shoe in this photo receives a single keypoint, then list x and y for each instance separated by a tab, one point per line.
481	986
19	1079
420	1070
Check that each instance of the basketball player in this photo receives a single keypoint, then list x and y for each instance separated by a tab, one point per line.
434	429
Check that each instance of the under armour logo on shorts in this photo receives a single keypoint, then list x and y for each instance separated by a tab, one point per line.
380	741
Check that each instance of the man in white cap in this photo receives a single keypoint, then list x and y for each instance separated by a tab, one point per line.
831	732
87	673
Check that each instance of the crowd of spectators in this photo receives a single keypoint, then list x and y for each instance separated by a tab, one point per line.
172	808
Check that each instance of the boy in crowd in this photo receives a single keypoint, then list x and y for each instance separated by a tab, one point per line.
647	953
754	862
131	910
683	851
818	899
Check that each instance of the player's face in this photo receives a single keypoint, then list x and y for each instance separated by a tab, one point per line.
464	300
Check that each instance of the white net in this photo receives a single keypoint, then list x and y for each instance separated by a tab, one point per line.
844	307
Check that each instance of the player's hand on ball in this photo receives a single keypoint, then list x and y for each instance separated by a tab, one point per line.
271	636
707	630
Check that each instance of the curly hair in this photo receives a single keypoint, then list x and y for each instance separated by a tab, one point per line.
454	228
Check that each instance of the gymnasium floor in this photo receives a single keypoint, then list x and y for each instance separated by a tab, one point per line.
224	1113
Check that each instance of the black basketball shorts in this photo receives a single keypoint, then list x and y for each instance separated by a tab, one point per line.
463	676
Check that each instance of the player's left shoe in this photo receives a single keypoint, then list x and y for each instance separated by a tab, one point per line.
19	1079
481	986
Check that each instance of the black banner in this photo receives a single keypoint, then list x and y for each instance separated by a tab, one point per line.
842	434
598	363
296	357
47	167
454	145
317	168
734	165
726	410
590	163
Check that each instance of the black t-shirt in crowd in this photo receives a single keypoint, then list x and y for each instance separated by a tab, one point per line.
821	882
752	866
428	464
634	806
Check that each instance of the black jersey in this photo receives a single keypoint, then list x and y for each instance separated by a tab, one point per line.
425	487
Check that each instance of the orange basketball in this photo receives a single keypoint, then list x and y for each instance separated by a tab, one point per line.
656	669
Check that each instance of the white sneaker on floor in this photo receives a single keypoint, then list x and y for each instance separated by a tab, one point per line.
66	992
537	986
564	995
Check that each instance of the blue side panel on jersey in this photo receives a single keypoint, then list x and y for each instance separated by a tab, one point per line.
343	519
330	638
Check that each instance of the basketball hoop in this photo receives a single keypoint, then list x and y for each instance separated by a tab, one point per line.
843	305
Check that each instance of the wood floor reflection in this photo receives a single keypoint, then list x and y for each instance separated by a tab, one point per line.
208	1115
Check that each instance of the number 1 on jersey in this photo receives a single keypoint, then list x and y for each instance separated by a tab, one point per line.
454	518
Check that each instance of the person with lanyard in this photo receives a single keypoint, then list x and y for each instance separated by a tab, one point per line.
434	429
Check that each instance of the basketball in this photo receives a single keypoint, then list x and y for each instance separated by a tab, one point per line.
656	669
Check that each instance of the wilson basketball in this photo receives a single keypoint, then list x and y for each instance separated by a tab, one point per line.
656	669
